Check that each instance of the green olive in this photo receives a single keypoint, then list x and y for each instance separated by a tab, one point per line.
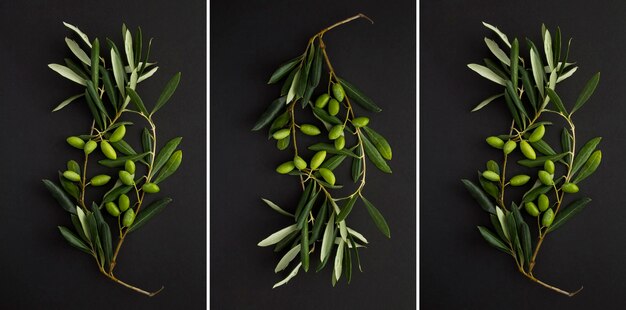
537	134
118	134
548	218
317	159
129	166
570	188
543	202
546	178
280	134
549	166
527	150
328	176
333	107
495	142
322	100
112	209
123	202
531	208
509	147
338	92
340	143
491	176
310	130
126	178
360	121
100	180
150	188
335	132
519	180
128	218
71	175
76	142
285	167
107	150
90	146
299	162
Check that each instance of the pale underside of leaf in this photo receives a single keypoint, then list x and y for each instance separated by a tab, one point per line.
502	221
485	102
537	71
327	239
497	51
566	75
287	258
278	236
357	235
339	259
147	75
80	33
276	207
547	46
486	73
67	73
77	51
343	231
67	101
499	33
292	90
293	273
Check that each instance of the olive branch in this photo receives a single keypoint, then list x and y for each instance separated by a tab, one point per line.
335	110
530	94
119	81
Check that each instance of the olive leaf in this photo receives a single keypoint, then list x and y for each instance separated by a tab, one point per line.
60	196
67	73
493	240
485	102
330	149
134	97
69	187
539	161
166	152
486	73
304	249
495	49
320	219
303	215
284	69
277	236
374	155
567	213
583	155
379	142
378	218
120	161
170	166
480	196
557	100
355	94
270	114
74	240
287	258
276	207
587	92
149	212
146	142
167	92
293	273
499	33
118	71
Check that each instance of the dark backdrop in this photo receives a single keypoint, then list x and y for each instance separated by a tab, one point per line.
39	269
458	269
249	39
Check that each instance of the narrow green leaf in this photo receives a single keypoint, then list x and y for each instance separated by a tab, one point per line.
493	240
529	89
276	207
91	89
333	162
284	90
74	240
526	241
589	167
566	214
60	196
146	142
167	92
584	153
284	69
540	160
566	144
120	161
543	147
277	236
480	196
534	192
316	69
293	89
361	99
115	193
128	48
123	147
378	218
512	109
488	186
149	212
487	73
357	166
514	62
338	260
95	62
291	239
303	216
511	227
170	166
66	102
330	149
557	101
92	227
485	102
69	187
379	142
518	103
322	115
270	113
556	45
147	75
108	87
67	73
319	220
346	209
303	199
107	243
587	92
94	110
547	46
304	250
77	51
137	45
566	75
165	154
374	155
137	101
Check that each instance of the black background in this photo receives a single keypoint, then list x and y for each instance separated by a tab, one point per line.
458	269
39	270
249	40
